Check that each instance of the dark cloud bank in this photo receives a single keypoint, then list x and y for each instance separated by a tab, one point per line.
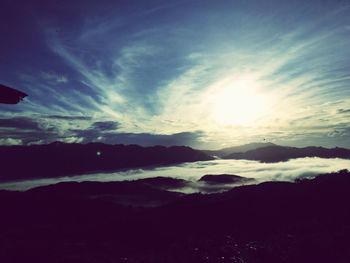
27	130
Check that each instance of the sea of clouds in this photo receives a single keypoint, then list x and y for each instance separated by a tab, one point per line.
281	171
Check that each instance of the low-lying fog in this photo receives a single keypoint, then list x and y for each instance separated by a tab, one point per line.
282	171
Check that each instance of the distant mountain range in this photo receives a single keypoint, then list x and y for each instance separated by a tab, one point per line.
62	159
275	153
237	149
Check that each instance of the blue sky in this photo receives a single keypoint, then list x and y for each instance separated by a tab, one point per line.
208	74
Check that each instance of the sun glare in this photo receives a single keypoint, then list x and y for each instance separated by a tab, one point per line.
237	101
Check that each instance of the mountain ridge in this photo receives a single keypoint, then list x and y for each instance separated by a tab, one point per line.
65	159
278	153
239	148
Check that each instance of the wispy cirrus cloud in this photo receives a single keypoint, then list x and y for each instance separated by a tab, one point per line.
153	73
54	77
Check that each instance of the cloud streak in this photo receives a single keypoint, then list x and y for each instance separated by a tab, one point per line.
43	129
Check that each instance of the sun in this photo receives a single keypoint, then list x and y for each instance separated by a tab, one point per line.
237	101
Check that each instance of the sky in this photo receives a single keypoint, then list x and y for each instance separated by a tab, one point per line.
207	74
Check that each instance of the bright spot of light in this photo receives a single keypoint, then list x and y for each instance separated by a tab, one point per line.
237	101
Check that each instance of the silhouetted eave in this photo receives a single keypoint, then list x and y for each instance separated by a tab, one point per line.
10	96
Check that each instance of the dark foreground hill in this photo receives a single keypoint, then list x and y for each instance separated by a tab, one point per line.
277	153
306	221
61	159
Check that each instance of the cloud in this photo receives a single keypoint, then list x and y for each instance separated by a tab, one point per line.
22	123
10	141
192	139
26	130
283	171
105	125
72	118
344	111
105	132
42	129
54	78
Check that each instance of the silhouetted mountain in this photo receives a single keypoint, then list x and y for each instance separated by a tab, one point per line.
61	159
282	153
237	149
223	179
306	221
164	182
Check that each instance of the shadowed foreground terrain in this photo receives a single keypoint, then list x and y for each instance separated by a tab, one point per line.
305	221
